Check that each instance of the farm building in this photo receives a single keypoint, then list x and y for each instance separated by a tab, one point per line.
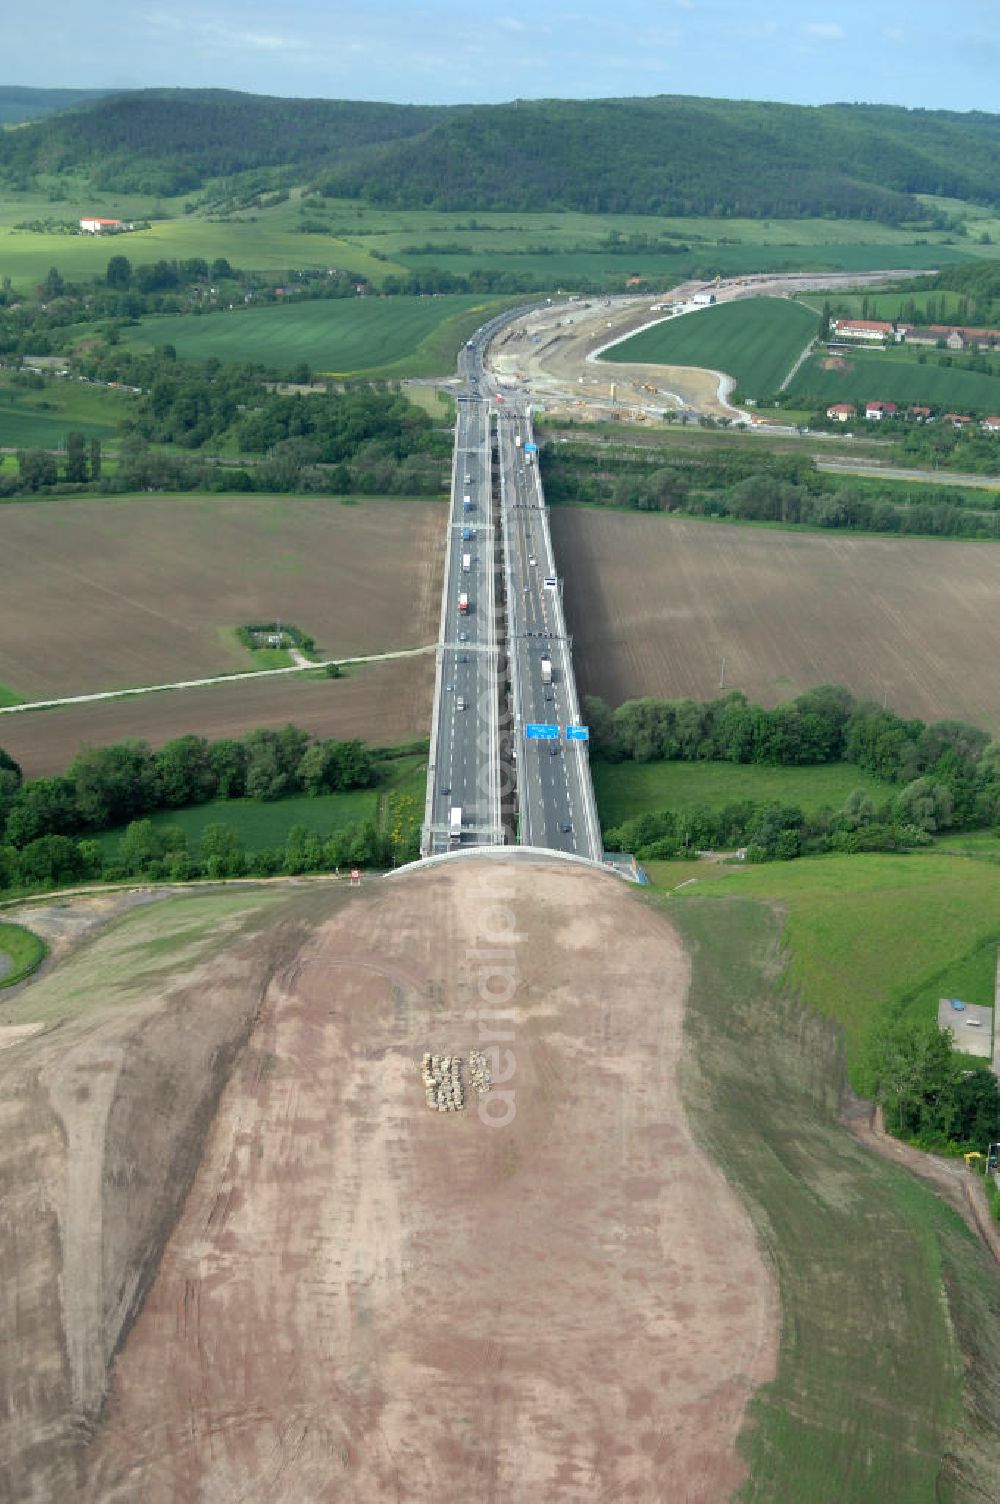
840	412
703	299
876	411
873	330
103	226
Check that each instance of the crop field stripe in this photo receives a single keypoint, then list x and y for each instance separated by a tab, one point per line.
335	336
756	341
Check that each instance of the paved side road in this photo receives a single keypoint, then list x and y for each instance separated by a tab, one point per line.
262	673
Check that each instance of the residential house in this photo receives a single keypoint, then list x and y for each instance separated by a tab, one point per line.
101	226
876	411
920	414
991	425
957	420
840	412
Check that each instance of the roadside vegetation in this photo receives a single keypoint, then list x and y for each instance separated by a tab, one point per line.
750	482
195	808
930	779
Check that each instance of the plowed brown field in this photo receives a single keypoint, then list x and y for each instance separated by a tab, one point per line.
110	594
556	1297
382	703
656	603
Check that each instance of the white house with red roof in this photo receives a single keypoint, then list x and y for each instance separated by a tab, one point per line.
991	425
876	411
862	329
102	226
840	412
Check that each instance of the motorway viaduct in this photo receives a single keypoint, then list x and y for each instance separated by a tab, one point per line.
509	762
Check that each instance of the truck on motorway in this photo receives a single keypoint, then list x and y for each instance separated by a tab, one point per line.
455	824
466	563
463	603
546	670
517	441
466	534
466	503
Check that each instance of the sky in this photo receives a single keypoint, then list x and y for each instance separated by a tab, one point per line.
911	52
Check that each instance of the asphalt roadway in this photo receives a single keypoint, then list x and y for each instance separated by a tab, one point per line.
555	805
465	759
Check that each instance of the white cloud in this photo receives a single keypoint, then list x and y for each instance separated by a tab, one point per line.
824	31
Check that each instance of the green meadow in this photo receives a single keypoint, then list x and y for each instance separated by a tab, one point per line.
894	375
627	789
401	336
888	1376
757	341
41	419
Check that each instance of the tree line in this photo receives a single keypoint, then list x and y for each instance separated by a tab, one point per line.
104	787
946	774
366	439
750	486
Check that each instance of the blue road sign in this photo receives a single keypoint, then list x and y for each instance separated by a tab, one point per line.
578	733
536	732
531	448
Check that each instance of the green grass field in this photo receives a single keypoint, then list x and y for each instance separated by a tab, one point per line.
895	376
627	789
42	419
870	936
402	336
261	824
21	953
888	1381
885	305
757	341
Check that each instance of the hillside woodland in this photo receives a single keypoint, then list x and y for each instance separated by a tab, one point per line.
663	155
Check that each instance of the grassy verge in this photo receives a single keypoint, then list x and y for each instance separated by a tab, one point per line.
629	788
886	1296
10	696
22	952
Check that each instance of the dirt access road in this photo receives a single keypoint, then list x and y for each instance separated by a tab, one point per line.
550	353
361	1299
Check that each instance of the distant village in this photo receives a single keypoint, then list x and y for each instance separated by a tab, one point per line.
877	333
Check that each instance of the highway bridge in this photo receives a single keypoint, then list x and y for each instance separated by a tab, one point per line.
509	758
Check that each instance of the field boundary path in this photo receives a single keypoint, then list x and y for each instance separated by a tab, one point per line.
253	673
795	368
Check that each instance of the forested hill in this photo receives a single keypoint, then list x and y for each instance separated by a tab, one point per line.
174	140
675	155
19	103
666	155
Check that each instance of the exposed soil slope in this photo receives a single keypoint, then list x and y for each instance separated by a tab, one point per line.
361	1298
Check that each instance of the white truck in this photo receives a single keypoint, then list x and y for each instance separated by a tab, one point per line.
466	563
546	670
455	824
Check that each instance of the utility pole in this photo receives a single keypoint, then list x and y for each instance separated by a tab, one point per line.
722	675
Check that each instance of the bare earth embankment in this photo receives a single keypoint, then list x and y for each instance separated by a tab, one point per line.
656	603
361	1298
